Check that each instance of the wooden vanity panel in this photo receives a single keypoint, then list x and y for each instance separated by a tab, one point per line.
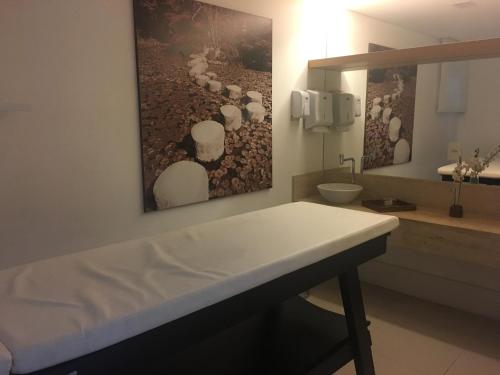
470	221
466	245
451	269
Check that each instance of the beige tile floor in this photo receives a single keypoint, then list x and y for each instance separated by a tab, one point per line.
415	337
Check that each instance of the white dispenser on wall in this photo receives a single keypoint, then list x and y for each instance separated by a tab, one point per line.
321	111
300	104
343	110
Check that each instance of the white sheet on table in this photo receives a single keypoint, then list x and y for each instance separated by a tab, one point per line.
5	360
62	308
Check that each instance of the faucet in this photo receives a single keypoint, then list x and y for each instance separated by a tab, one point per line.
343	159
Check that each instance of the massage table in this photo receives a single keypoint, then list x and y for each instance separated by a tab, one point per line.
215	298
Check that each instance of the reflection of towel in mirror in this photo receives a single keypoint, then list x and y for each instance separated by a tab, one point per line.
493	171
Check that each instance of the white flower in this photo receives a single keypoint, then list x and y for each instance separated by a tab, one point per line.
478	165
460	171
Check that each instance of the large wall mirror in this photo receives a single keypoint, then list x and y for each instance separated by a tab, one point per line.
415	121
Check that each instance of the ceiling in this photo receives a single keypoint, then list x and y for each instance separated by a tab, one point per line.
457	19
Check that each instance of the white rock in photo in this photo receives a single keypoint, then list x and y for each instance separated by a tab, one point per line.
184	182
394	128
217	53
398	92
198	69
254	96
256	111
196	61
232	116
202	80
402	152
196	55
209	140
387	99
386	115
375	112
212	75
376	101
234	91
214	86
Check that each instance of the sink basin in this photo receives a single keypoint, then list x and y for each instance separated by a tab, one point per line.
339	193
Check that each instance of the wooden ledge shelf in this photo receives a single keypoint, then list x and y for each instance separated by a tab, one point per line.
470	50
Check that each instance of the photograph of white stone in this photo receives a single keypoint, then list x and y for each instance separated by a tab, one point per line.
390	108
205	96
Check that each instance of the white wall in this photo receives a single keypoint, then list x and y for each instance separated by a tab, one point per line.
432	131
480	125
70	175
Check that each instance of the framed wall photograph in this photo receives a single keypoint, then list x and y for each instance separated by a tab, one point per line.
205	101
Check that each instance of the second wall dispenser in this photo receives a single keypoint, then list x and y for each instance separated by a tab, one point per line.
325	110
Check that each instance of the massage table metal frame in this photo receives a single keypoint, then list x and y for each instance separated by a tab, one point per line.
146	353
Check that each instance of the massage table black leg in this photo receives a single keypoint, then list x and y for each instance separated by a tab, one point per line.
356	322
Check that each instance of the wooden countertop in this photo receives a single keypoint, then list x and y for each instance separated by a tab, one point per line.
474	222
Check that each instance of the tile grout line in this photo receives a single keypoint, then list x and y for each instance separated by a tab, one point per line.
448	367
455	361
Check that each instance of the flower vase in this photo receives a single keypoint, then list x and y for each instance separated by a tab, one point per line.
456	209
474	179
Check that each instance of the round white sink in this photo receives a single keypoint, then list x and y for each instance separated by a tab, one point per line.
339	193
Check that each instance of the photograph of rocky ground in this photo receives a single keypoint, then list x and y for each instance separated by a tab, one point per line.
205	91
390	109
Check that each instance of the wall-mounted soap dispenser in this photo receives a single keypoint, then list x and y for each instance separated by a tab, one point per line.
321	113
300	104
343	110
322	110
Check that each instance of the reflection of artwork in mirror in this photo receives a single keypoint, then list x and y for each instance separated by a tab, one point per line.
390	109
204	75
